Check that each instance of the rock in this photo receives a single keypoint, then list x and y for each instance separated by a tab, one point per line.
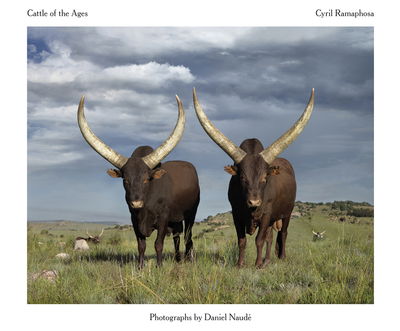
63	256
50	275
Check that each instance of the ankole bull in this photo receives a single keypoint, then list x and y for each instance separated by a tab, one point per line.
81	243
160	196
262	189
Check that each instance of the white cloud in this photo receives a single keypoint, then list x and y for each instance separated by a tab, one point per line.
150	75
170	40
43	113
60	67
52	146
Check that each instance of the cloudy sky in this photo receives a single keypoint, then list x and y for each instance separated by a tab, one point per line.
251	82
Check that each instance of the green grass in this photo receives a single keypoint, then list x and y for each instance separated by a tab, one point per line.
338	269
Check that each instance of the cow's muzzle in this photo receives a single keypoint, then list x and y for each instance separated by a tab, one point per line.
254	203
137	204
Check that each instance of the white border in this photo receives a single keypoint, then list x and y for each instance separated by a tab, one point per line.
17	314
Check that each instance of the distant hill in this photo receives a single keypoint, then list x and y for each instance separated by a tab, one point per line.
72	222
64	227
337	210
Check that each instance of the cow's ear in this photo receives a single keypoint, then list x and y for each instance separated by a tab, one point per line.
273	170
158	173
232	170
114	173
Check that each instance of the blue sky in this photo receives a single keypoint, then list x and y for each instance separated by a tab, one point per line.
251	82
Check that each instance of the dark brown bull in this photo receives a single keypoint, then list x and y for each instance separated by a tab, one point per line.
93	239
262	189
159	196
81	243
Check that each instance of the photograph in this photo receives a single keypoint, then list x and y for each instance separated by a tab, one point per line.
200	165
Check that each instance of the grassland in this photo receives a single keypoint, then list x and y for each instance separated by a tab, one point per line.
337	269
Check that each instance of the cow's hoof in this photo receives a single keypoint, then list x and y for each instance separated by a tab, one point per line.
178	258
189	257
265	263
260	265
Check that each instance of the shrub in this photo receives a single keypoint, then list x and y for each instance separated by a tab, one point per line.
361	212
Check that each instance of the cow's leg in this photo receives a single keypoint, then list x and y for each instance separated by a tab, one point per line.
159	244
242	246
141	248
280	246
241	235
177	229
177	240
263	231
189	222
269	238
188	239
141	245
260	239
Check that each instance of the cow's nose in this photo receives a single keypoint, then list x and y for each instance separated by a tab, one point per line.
137	204
254	203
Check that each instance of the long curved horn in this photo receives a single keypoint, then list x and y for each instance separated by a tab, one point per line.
168	145
270	153
116	159
234	152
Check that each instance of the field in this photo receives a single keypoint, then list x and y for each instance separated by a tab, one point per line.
336	269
